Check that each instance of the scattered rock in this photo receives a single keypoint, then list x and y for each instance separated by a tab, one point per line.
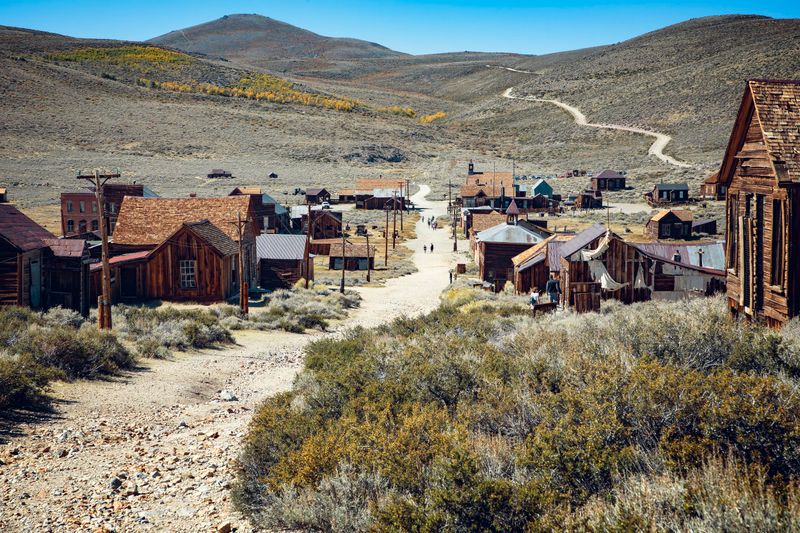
225	527
228	396
116	483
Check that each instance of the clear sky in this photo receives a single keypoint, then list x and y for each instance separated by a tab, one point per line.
413	26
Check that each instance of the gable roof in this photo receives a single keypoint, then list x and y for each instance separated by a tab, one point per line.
672	187
279	209
281	247
213	236
20	231
246	190
612	174
367	185
315	191
775	107
713	253
713	179
684	215
151	220
66	247
512	234
485	221
352	250
582	239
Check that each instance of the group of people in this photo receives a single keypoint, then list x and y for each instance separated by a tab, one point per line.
552	288
431	220
425	248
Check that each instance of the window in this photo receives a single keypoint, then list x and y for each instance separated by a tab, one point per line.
82	206
95	225
235	269
69	206
777	244
82	226
666	229
187	271
94	207
70	226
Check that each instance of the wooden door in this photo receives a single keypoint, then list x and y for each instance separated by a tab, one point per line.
128	288
36	284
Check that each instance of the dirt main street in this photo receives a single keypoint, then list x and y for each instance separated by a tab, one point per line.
155	449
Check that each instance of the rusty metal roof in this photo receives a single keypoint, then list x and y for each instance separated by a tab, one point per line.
713	253
66	247
582	240
20	231
121	259
277	246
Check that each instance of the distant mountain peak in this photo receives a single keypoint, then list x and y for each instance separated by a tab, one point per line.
253	37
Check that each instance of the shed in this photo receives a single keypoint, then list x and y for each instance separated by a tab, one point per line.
317	195
219	173
707	226
282	260
608	180
670	224
355	257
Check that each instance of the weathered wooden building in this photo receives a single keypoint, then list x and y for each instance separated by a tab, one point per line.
589	199
665	194
281	260
317	195
219	173
145	223
354	257
38	270
712	188
608	180
325	224
268	215
761	170
707	226
670	224
196	262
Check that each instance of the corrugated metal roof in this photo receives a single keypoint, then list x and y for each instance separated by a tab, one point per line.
119	259
512	234
582	239
277	246
66	247
713	253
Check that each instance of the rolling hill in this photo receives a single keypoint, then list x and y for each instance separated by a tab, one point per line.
255	38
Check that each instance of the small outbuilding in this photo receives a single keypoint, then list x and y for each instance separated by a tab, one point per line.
355	257
670	224
282	260
317	195
219	173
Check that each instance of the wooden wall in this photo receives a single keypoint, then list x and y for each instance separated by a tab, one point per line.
9	275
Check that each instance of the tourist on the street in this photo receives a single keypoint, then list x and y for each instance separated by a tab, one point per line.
424	248
451	277
431	247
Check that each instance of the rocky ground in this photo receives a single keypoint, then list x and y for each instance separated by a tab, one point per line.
156	449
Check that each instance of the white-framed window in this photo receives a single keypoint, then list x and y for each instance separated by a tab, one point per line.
69	206
666	228
82	206
187	273
94	207
70	226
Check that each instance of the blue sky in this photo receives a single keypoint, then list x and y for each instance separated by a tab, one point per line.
413	26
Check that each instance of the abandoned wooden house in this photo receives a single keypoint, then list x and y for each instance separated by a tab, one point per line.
282	260
589	199
664	194
196	262
712	188
325	224
354	257
481	221
607	180
346	196
596	268
37	269
79	215
380	193
708	254
317	195
538	187
3	195
268	215
533	267
496	246
761	170
145	223
670	224
219	173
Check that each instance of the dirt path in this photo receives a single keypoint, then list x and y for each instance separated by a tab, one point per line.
656	149
166	433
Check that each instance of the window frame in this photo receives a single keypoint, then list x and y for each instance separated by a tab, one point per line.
187	273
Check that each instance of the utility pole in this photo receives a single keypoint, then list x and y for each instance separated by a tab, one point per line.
344	264
452	208
394	222
244	290
104	300
308	240
368	258
455	224
386	238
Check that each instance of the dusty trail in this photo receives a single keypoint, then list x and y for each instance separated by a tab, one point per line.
656	149
165	431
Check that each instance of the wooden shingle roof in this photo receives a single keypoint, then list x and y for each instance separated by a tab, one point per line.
683	215
777	106
484	222
367	185
352	250
145	221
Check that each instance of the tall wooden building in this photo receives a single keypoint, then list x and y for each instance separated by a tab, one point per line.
761	170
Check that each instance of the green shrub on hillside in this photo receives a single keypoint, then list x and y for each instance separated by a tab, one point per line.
476	417
136	57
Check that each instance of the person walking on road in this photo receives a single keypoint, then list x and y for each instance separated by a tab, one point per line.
431	247
424	248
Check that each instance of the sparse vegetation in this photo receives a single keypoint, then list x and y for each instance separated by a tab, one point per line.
131	57
398	110
477	418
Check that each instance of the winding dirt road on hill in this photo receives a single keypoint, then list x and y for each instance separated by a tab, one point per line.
656	149
156	449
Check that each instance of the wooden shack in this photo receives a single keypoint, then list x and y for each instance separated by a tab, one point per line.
219	173
707	226
712	188
589	199
268	215
670	224
282	260
325	224
665	194
761	170
355	257
3	195
197	262
608	180
66	275
317	195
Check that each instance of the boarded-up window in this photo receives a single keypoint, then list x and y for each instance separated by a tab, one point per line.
777	243
187	272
